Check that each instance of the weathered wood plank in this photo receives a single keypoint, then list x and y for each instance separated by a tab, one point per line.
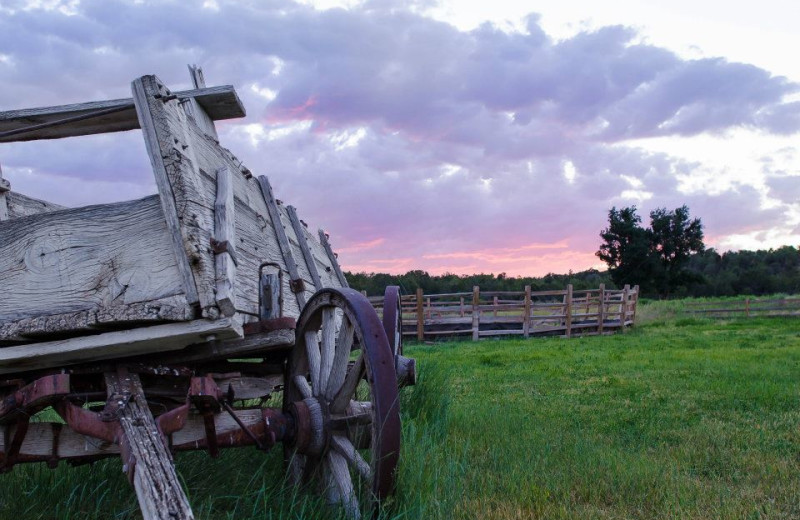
116	316
85	259
146	458
283	241
111	345
303	242
20	205
225	233
323	239
198	113
217	102
142	96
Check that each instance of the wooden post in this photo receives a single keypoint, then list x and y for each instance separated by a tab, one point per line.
146	458
462	306
747	307
624	317
476	313
568	312
193	108
428	305
225	238
494	305
601	309
526	318
302	240
4	187
635	303
420	316
295	282
364	292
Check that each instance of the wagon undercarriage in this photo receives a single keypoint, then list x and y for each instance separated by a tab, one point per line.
203	318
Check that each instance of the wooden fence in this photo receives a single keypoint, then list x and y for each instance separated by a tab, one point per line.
478	314
745	307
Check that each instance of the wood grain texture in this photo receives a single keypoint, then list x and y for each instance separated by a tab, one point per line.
323	239
142	95
85	259
195	111
111	345
224	233
146	457
20	205
216	102
311	263
280	232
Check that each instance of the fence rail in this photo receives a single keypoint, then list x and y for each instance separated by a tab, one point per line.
745	307
565	313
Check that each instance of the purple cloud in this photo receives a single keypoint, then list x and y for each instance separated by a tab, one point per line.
414	143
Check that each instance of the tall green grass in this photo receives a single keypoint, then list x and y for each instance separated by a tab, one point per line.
679	418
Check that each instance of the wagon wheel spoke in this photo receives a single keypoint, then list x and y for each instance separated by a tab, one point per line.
342	444
344	400
344	344
348	388
343	484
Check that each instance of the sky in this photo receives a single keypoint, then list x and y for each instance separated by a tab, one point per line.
447	136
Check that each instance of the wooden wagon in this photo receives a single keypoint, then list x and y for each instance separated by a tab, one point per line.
163	324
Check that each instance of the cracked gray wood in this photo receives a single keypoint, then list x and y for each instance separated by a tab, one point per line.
216	102
147	459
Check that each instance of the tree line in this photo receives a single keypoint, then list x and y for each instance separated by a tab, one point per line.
667	259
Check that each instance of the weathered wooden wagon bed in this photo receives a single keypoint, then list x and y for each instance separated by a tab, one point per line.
163	324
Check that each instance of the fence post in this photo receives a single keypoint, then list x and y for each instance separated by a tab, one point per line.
601	309
462	306
494	306
428	304
747	307
420	317
364	292
568	312
476	313
635	303
526	318
624	317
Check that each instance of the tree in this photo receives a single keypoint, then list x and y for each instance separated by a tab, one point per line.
654	258
626	248
674	237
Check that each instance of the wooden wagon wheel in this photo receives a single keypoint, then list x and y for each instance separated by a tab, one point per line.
393	319
341	389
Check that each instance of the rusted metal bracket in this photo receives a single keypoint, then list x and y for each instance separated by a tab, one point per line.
205	395
224	247
34	397
297	285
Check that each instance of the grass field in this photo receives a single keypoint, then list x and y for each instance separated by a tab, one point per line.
680	418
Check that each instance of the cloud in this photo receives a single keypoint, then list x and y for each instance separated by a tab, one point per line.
413	143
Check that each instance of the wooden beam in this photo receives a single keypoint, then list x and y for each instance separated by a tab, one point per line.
217	102
299	232
194	109
225	237
146	458
283	240
111	345
323	239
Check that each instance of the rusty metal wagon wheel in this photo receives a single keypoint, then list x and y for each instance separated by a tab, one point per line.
341	389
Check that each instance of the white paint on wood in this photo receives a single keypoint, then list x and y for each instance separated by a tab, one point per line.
225	232
111	345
